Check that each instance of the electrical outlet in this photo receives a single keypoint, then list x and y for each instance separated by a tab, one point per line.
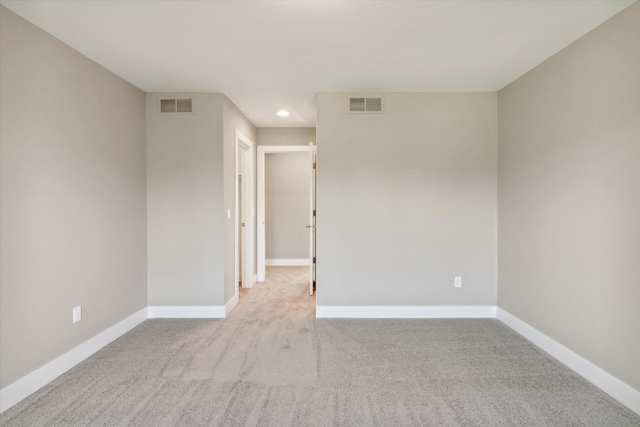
457	282
77	314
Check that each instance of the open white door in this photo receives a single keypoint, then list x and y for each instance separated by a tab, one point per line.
244	204
312	220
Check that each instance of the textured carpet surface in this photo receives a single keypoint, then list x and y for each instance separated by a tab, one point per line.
271	363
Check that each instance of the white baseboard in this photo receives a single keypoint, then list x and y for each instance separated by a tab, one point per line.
32	382
187	312
406	312
231	304
29	384
620	391
287	262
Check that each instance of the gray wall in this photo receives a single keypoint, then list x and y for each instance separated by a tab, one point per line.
232	119
286	136
191	173
569	186
287	194
407	200
185	200
72	201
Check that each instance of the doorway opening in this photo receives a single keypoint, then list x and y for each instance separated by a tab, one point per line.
308	208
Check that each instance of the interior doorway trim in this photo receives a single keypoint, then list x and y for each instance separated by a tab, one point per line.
246	168
263	150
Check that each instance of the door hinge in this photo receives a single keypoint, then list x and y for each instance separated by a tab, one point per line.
314	212
314	165
314	260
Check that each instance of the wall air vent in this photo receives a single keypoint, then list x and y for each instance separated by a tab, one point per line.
365	105
176	106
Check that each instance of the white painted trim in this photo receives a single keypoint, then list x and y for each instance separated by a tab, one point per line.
620	391
29	384
260	199
271	149
312	215
406	312
249	211
231	304
287	262
187	312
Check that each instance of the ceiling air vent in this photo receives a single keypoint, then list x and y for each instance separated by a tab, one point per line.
176	106
365	105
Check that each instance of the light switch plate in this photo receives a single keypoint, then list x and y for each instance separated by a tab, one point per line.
77	314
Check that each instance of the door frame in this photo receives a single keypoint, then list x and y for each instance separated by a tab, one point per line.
312	219
248	212
263	150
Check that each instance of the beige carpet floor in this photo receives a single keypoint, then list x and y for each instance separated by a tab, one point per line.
271	363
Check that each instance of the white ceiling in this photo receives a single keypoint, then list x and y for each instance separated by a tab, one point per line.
272	55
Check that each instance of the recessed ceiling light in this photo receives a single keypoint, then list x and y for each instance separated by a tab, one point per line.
283	113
